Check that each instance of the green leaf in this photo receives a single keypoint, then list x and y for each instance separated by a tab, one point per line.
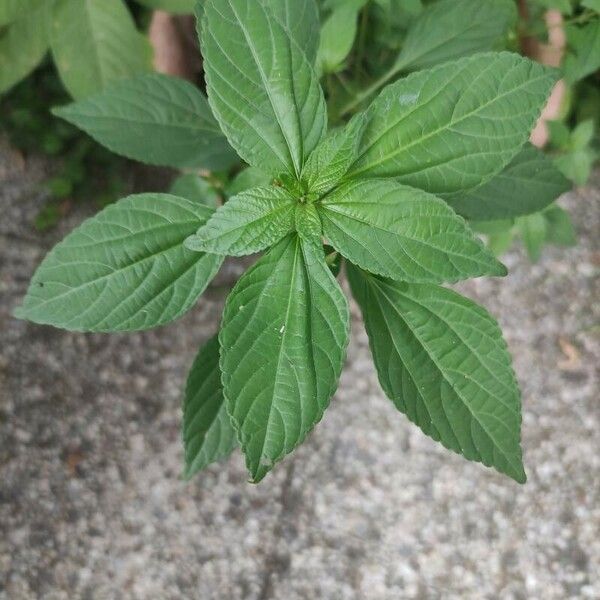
403	233
592	4
208	436
301	19
583	134
23	45
155	119
560	135
583	57
533	232
490	227
577	165
261	87
442	360
454	127
283	343
500	234
337	37
588	102
559	227
499	243
247	179
195	188
181	7
528	184
14	10
441	33
247	223
124	269
95	42
450	29
332	158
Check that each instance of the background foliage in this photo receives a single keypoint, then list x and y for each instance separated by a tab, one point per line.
364	45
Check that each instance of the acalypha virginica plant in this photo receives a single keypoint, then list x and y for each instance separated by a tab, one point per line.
383	193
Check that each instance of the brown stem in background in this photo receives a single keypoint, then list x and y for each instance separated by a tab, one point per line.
548	54
526	42
173	40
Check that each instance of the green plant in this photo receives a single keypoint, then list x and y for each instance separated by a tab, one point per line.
92	42
549	226
380	190
575	136
406	35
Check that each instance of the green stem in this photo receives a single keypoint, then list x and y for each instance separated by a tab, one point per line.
577	20
372	89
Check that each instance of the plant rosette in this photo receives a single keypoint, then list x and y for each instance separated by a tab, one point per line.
384	194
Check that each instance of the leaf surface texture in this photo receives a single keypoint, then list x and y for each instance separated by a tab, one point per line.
283	343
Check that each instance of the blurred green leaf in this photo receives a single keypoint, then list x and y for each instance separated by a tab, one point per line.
96	42
559	227
560	135
47	217
450	29
13	10
337	35
582	135
196	189
592	4
577	165
23	45
499	243
247	179
583	56
533	232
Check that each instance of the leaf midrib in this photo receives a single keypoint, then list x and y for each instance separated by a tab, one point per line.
423	242
402	149
280	354
267	88
108	275
448	381
220	234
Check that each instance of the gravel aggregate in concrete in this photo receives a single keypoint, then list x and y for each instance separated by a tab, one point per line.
92	505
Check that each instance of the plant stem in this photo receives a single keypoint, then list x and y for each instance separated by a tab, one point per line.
372	89
579	19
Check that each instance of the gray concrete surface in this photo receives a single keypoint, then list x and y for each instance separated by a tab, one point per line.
92	507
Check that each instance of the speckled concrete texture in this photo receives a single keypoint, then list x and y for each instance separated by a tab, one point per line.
92	505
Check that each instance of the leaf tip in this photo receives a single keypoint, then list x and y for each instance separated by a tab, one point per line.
187	474
61	111
259	471
519	475
500	269
20	313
